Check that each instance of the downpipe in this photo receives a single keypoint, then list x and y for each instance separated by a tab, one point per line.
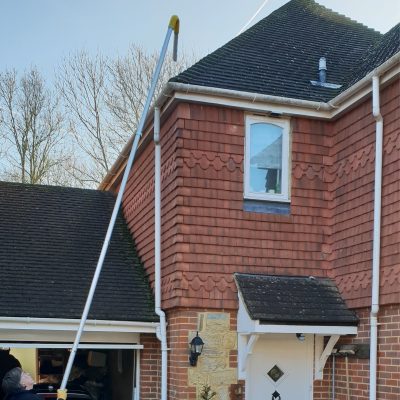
376	238
162	329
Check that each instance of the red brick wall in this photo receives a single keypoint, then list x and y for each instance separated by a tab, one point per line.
181	322
150	367
206	234
351	173
388	362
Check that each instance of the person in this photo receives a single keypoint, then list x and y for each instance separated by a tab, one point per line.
7	362
17	385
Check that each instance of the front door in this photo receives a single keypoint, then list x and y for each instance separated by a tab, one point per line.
280	368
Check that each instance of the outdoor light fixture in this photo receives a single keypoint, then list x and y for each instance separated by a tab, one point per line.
300	336
196	347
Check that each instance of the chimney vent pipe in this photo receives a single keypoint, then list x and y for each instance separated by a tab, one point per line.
322	69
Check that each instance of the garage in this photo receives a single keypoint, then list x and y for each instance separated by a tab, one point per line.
51	238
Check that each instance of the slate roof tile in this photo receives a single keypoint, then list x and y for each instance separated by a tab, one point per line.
294	300
50	240
279	55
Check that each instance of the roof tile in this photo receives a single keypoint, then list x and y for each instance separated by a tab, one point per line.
50	241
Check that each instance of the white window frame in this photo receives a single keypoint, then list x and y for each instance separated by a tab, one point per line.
285	186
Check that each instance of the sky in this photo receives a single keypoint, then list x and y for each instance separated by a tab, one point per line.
42	32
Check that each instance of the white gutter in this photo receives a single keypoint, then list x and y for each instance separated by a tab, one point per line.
162	331
318	110
60	324
252	97
376	237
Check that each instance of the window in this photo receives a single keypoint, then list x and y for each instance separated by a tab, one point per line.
267	159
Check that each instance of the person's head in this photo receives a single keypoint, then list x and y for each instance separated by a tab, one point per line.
26	381
16	380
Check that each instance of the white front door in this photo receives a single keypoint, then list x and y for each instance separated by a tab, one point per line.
280	368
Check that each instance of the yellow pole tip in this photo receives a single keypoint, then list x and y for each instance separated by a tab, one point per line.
174	23
61	394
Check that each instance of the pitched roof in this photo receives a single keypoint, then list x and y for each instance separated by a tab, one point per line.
294	300
386	47
50	240
279	55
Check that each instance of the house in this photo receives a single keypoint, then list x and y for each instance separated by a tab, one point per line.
280	232
50	240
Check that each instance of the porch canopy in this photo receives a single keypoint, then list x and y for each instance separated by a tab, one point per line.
291	305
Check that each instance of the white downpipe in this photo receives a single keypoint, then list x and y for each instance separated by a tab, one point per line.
376	237
162	331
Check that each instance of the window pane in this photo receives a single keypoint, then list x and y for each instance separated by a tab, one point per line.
265	158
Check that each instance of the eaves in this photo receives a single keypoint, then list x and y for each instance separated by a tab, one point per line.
178	92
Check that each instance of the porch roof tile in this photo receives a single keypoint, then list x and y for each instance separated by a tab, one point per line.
294	300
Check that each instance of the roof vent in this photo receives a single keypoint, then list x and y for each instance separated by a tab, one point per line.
322	76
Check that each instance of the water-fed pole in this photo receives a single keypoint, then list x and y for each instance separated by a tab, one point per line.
173	26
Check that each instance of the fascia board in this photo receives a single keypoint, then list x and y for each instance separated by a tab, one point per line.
255	105
46	345
56	324
244	323
313	329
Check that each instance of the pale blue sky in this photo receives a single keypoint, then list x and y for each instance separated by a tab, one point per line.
42	32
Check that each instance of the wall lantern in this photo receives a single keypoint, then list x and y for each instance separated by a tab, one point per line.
196	348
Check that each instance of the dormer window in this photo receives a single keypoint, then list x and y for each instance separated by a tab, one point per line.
267	159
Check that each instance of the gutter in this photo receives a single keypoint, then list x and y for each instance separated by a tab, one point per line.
252	97
24	323
328	110
376	237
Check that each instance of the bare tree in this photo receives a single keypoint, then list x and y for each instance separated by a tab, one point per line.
130	81
83	85
30	127
104	100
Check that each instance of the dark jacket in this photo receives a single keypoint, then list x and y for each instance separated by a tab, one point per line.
22	395
7	362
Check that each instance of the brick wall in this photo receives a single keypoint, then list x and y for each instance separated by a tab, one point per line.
150	367
206	234
351	174
388	362
183	324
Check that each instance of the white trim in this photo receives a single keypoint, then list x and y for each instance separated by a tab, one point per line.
284	124
137	378
245	350
315	329
322	357
254	105
53	345
58	324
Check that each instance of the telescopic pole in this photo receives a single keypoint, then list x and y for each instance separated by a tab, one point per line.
173	26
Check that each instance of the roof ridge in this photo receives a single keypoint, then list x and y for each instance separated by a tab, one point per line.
344	16
46	186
